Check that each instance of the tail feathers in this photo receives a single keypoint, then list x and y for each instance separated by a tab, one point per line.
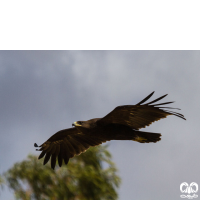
146	137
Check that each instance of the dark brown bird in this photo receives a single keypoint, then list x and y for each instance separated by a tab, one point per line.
122	123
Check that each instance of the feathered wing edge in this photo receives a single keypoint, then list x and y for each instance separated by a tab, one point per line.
160	104
63	146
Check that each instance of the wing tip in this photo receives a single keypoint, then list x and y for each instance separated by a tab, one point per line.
35	145
146	98
53	165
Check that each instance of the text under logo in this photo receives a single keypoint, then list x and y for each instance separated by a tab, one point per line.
189	190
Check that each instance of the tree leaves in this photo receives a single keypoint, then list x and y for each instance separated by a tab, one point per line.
83	178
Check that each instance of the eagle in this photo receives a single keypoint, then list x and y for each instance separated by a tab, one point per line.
122	123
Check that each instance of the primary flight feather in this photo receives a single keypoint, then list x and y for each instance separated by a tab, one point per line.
122	123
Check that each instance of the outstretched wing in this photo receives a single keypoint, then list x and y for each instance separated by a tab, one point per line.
65	144
139	116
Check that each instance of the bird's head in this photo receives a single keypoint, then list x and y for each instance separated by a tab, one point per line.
82	124
78	123
86	124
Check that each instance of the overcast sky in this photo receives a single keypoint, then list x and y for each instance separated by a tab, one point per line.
45	91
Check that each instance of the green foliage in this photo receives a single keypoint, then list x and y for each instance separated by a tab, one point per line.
1	181
84	178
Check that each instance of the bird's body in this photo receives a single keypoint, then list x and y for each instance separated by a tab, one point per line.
122	123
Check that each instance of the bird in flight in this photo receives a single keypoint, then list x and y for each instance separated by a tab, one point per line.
123	123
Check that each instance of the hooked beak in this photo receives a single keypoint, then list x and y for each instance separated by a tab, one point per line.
76	124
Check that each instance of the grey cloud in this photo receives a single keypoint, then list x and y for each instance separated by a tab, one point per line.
45	91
